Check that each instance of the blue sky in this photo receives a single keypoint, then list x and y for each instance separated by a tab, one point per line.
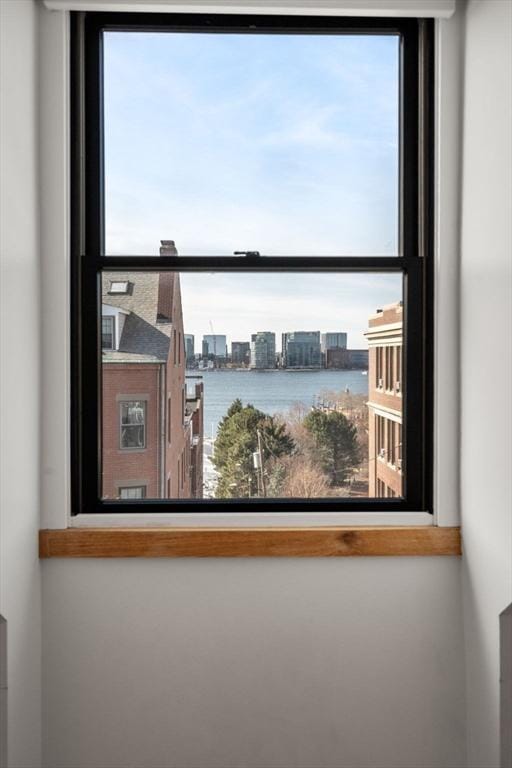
282	144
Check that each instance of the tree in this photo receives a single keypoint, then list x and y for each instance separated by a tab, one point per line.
298	477
335	441
237	440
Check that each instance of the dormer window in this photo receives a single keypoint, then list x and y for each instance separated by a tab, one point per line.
119	286
107	332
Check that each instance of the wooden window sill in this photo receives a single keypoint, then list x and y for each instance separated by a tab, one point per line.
347	541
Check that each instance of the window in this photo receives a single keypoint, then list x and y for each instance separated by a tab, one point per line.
132	424
118	286
107	332
307	140
398	371
133	492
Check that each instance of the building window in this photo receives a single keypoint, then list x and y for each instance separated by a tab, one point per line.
108	332
133	492
132	424
332	184
119	286
398	370
379	376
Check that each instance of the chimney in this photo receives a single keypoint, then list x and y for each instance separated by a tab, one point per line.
168	248
166	285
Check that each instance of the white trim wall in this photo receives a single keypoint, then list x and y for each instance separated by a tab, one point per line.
20	384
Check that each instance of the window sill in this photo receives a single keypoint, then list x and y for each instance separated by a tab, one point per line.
347	541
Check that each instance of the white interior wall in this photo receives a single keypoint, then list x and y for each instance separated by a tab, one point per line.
486	280
250	663
20	593
256	663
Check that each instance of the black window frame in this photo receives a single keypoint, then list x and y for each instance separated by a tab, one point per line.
414	260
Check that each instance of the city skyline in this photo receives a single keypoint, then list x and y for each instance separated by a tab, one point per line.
323	302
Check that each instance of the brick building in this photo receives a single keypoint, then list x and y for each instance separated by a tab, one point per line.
152	430
385	336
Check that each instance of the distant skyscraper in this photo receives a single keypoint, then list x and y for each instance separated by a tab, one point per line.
263	350
189	347
240	352
301	349
333	340
214	345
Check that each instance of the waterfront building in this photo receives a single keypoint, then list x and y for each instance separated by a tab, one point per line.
385	338
337	357
263	350
240	352
346	359
189	349
333	340
358	358
152	436
214	346
301	349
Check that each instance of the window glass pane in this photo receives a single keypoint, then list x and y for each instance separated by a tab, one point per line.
285	144
133	492
132	424
107	332
284	385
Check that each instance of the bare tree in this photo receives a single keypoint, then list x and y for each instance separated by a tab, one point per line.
296	477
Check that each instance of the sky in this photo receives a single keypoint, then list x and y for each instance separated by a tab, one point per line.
283	144
284	302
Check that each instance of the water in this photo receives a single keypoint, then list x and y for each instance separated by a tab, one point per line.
271	391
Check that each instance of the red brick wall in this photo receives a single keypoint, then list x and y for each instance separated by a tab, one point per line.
164	432
124	467
177	459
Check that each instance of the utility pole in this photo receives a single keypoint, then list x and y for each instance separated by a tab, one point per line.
262	466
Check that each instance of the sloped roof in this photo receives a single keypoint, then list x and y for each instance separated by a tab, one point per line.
146	334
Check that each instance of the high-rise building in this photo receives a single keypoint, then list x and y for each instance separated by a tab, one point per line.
385	337
189	347
358	358
301	349
263	350
152	442
214	346
240	352
333	340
